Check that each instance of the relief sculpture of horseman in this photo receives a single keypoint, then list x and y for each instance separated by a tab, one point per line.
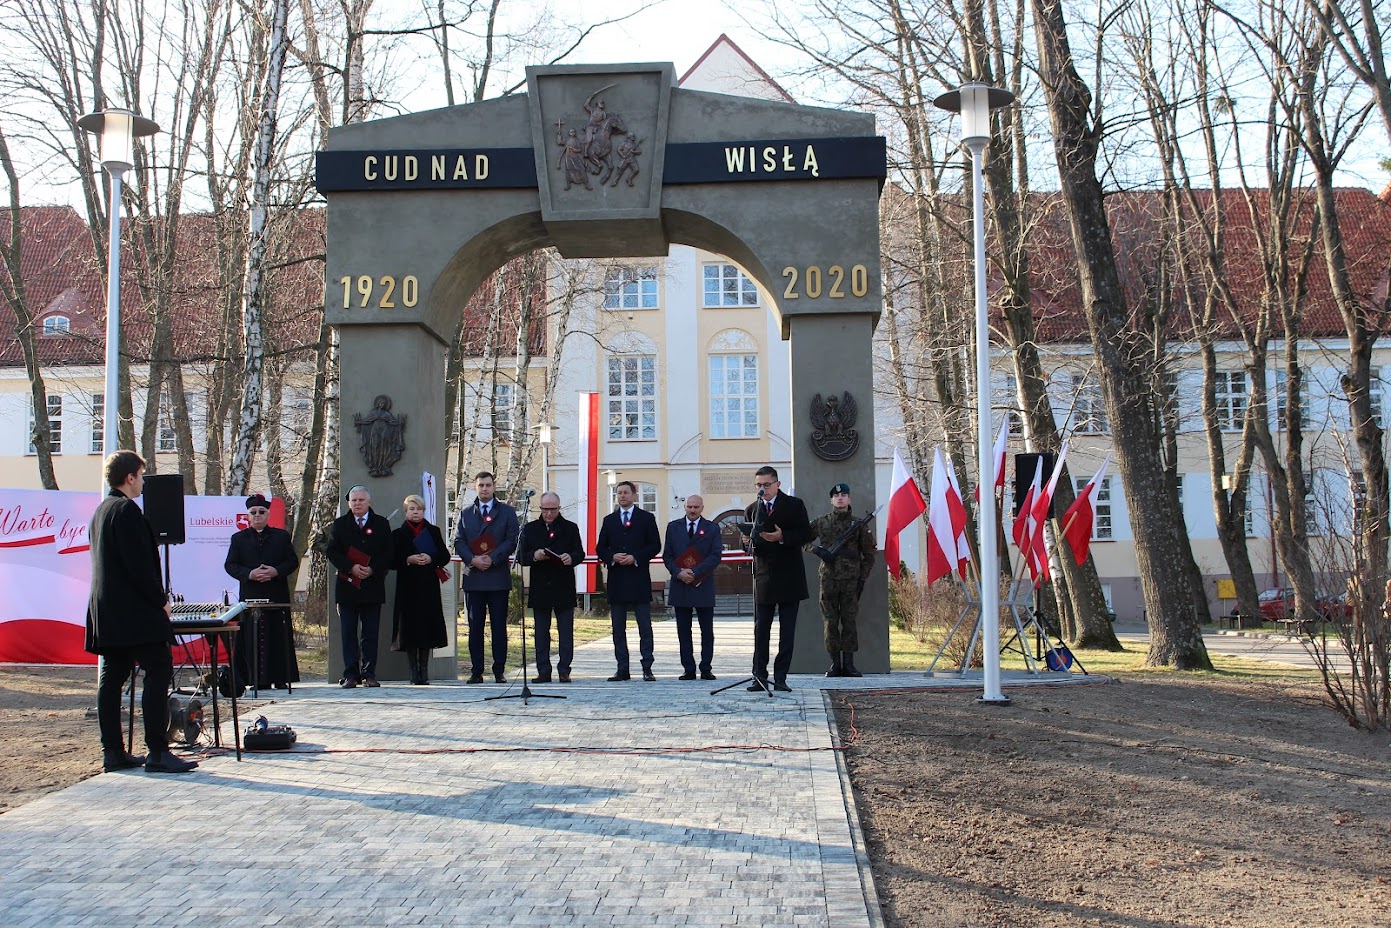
598	136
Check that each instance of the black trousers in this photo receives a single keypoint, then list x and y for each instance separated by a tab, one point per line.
618	624
763	631
116	667
564	630
705	615
490	606
359	654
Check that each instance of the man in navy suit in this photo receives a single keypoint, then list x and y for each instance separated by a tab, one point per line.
691	554
484	541
628	541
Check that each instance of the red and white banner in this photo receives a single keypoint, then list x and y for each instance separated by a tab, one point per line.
46	567
587	490
1080	518
905	504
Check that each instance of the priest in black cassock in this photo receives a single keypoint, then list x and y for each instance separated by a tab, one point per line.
262	558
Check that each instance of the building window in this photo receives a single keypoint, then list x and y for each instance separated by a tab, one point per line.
630	288
726	285
632	397
1012	416
57	325
647	497
167	443
98	423
1101	507
734	396
1088	408
1169	400
504	401
1282	398
1375	395
1311	507
1232	395
55	425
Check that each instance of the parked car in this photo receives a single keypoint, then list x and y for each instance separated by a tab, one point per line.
1276	603
1333	608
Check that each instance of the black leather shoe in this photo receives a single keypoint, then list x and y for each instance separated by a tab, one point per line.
499	678
370	681
649	676
168	762
565	678
543	678
120	760
781	687
476	678
688	675
757	686
706	675
349	683
619	677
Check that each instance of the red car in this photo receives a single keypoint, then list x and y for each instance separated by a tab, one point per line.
1276	603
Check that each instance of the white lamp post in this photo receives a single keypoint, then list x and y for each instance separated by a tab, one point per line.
545	434
118	128
974	102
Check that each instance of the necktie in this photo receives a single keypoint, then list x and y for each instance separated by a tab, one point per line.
361	523
690	529
627	517
485	510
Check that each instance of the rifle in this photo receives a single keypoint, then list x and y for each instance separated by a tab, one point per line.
829	553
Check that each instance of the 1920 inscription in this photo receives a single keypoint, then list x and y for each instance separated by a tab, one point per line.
385	292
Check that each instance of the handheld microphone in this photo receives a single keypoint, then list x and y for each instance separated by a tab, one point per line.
760	492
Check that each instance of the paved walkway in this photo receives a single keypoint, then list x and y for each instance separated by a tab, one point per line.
651	804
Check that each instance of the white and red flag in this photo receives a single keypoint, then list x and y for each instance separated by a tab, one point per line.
958	517
1080	519
942	556
998	454
905	504
1038	551
1022	530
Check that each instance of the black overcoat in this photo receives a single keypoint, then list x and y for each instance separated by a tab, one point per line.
552	583
249	549
641	539
779	570
418	619
373	540
126	605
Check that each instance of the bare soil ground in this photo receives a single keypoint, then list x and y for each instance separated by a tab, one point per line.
1161	800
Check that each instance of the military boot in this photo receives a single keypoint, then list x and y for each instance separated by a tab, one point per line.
836	669
848	665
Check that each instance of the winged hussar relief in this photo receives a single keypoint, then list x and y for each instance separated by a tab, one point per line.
593	152
833	435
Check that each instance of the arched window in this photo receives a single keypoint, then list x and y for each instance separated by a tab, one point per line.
57	325
734	399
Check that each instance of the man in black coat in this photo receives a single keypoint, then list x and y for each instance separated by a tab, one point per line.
551	547
262	558
128	620
628	541
359	546
781	528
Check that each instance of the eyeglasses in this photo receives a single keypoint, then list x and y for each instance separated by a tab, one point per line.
763	486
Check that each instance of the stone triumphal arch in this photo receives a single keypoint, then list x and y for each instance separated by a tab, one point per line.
605	161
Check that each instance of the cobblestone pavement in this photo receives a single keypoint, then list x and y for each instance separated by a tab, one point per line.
652	804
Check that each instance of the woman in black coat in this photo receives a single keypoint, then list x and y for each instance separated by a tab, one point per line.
420	557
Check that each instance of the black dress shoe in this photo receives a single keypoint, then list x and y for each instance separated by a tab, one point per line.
370	681
168	762
757	686
543	678
649	676
120	760
619	677
476	678
781	687
706	675
499	678
688	675
348	683
565	678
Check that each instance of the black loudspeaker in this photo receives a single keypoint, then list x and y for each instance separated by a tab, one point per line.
1024	467
164	507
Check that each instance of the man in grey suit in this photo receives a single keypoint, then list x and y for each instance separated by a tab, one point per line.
692	552
484	541
628	541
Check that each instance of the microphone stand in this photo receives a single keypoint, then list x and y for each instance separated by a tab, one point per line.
753	536
526	692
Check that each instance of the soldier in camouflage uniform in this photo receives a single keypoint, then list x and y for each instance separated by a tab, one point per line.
843	572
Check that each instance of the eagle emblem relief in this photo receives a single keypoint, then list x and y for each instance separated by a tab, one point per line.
833	435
